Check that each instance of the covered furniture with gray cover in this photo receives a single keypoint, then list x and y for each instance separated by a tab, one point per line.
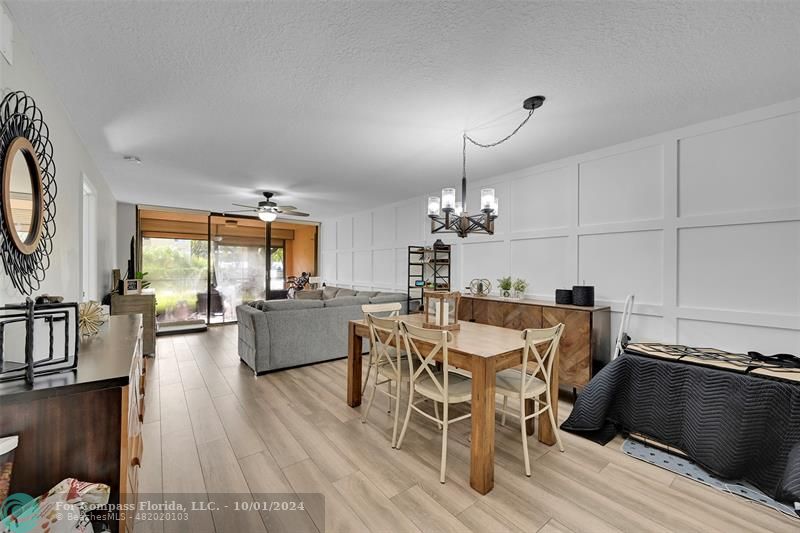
279	334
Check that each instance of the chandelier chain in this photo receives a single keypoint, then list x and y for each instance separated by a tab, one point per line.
466	138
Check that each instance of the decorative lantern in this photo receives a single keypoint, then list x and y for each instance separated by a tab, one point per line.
441	309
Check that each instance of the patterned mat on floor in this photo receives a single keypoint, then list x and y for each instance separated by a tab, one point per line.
686	468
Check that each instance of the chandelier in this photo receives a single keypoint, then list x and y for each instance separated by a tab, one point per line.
456	219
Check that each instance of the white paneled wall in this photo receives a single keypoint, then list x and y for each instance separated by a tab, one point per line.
701	223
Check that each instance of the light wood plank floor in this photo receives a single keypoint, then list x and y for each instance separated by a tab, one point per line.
211	427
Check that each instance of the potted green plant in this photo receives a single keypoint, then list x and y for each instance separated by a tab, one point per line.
520	287
505	285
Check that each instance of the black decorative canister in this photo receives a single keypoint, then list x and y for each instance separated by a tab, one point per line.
583	295
564	296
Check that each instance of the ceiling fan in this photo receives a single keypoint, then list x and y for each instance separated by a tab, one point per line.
267	210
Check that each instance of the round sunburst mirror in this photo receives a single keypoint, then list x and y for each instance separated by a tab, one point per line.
22	195
27	217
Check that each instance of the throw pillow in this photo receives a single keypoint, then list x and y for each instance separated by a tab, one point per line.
308	295
7	447
329	293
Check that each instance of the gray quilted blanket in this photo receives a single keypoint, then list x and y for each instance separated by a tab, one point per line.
737	426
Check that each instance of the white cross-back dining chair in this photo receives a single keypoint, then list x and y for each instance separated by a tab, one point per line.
381	310
522	383
390	364
433	383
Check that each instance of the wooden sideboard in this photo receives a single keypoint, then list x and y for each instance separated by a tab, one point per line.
86	423
587	331
144	304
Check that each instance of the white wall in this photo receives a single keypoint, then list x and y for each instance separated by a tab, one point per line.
72	162
701	223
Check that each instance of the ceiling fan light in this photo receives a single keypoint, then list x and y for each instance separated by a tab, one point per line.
267	216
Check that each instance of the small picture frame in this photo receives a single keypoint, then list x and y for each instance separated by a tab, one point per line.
132	286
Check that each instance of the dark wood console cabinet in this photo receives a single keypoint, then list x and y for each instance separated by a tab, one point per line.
587	332
84	424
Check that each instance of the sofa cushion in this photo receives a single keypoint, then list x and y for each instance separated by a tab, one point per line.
368	294
384	297
290	305
329	293
346	300
346	292
308	295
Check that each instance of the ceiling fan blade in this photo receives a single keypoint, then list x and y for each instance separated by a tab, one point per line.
242	211
247	206
287	208
295	213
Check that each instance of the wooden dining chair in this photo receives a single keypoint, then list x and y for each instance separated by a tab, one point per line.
382	310
438	384
522	383
390	364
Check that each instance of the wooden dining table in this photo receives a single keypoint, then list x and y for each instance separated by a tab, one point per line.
483	350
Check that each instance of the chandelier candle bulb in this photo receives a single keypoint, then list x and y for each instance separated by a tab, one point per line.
448	199
459	209
433	206
487	199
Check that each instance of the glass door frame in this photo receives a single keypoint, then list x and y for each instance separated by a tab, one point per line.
209	215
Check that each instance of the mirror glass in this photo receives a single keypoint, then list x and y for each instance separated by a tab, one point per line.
21	196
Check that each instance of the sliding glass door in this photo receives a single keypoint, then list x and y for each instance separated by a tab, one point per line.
174	256
238	265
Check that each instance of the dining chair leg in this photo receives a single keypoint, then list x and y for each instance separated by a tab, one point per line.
553	421
396	415
371	399
436	413
408	415
389	410
370	364
505	406
443	468
524	435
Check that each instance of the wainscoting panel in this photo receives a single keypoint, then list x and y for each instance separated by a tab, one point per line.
746	167
645	328
344	233
484	260
737	337
328	236
544	262
542	200
383	228
362	231
623	187
328	262
702	224
344	266
747	267
383	266
410	219
618	264
362	267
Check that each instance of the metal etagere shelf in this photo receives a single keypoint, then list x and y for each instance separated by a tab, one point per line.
428	267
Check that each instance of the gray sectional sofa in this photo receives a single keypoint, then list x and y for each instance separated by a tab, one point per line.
278	334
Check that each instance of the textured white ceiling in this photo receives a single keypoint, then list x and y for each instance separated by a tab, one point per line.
349	105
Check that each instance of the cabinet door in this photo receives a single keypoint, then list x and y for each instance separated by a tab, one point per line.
574	353
519	316
480	311
465	309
